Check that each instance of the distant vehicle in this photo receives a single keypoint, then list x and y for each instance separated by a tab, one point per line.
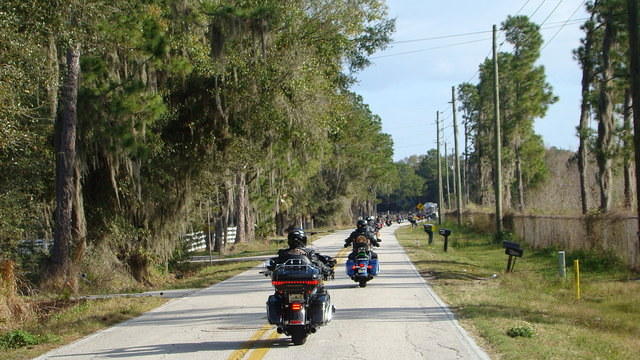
431	210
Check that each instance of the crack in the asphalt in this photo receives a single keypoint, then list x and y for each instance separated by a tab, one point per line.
416	348
458	354
356	355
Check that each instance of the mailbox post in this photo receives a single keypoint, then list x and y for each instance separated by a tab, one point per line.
445	233
428	228
514	251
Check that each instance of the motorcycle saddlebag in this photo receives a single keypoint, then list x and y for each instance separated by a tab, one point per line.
349	267
375	267
320	309
274	309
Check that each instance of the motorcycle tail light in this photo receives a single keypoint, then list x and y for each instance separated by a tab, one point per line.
296	306
299	282
362	265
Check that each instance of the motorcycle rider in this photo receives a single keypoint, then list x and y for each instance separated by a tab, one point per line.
362	230
297	241
373	228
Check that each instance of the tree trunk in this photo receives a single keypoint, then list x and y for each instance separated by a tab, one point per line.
628	148
520	181
606	122
241	214
219	231
634	67
65	146
54	74
583	128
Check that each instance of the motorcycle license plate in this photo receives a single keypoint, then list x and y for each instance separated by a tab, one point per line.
362	270
296	297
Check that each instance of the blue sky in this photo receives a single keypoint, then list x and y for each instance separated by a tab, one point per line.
407	89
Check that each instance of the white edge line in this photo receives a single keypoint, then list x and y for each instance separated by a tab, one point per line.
461	331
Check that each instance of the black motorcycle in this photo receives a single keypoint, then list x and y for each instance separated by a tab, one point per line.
300	305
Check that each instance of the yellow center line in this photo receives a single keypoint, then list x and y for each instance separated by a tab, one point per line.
261	351
340	255
248	345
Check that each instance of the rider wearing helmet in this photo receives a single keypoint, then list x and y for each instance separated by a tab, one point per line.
362	230
373	229
297	241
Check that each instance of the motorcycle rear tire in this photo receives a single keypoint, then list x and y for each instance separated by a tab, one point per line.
363	283
298	335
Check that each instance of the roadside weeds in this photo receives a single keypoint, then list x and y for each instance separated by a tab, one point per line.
533	301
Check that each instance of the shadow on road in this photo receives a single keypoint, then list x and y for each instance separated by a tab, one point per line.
393	314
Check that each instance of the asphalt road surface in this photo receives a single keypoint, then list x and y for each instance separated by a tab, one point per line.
397	316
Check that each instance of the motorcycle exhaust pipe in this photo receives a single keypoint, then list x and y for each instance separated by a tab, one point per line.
313	330
279	330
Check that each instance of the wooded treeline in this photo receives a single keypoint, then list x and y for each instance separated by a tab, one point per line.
604	120
124	121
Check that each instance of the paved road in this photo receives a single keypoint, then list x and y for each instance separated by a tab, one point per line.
396	316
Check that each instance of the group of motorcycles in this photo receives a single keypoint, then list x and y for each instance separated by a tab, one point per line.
301	304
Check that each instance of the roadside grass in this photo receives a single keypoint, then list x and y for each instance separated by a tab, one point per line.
199	275
71	320
604	324
59	320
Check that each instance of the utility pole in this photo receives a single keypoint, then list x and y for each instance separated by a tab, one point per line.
498	138
446	174
456	161
209	237
634	53
440	197
465	167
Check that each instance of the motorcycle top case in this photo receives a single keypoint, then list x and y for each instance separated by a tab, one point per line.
296	278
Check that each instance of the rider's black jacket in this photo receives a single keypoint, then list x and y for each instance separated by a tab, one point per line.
361	231
325	263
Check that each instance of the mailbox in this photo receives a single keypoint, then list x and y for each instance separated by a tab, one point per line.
428	228
512	249
513	252
445	233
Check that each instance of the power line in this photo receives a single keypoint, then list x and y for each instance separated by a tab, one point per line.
448	36
427	49
538	8
563	25
523	6
439	37
449	45
551	13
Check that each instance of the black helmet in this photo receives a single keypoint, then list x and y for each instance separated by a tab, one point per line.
296	238
361	223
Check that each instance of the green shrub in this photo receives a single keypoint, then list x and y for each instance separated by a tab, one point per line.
595	261
523	331
17	339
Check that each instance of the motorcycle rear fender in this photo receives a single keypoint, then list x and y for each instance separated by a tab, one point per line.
298	317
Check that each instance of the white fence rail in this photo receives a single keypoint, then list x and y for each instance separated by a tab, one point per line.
197	241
